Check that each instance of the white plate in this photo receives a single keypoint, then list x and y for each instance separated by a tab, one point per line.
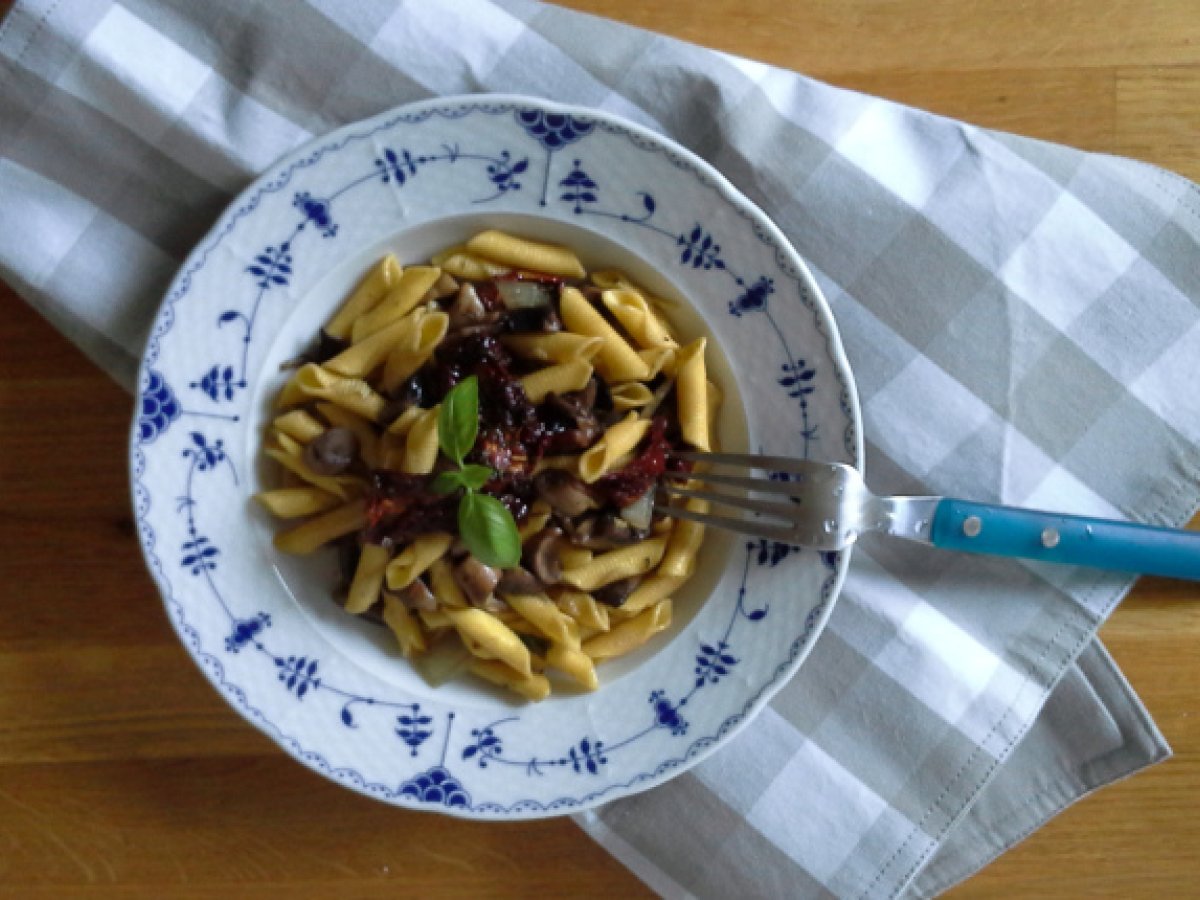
331	690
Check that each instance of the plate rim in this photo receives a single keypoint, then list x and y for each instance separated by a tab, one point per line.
282	170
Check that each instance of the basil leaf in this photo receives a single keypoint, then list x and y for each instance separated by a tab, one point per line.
488	529
458	419
447	482
474	477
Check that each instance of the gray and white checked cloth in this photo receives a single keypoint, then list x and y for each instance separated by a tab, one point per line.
1021	318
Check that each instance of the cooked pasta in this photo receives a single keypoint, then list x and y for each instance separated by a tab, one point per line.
581	395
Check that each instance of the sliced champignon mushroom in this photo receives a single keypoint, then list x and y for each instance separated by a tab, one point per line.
332	452
566	494
519	580
476	580
541	555
416	597
617	592
605	532
467	307
573	413
541	319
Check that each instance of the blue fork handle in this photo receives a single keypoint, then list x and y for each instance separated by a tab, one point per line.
1077	540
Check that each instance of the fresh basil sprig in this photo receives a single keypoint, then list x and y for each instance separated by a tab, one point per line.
486	525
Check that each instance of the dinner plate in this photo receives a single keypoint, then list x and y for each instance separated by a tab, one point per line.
334	691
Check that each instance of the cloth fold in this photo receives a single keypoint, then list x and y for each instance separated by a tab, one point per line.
1018	316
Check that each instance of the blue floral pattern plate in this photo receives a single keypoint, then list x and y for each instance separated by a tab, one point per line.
333	691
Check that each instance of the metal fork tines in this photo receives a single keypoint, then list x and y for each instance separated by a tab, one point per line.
816	504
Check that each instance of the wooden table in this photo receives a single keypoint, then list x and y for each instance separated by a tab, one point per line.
121	770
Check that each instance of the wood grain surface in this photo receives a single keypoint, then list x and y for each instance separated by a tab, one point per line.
123	774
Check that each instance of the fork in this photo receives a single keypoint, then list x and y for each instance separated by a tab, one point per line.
826	506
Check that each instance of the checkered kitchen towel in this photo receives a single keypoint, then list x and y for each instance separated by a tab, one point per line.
1021	318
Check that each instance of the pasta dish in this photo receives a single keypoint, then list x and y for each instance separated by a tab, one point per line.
480	438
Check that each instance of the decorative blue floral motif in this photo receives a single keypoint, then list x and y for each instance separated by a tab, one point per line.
503	172
317	212
554	130
580	189
666	713
585	756
590	756
413	727
203	454
700	250
246	631
771	553
159	407
487	745
436	786
298	674
713	663
274	265
219	381
199	555
753	299
397	167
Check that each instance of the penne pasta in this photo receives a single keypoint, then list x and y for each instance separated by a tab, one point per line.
535	521
489	638
658	359
617	443
299	424
404	625
640	322
416	559
295	502
403	422
369	292
630	395
550	622
584	609
525	254
557	346
679	558
559	379
312	381
368	579
573	662
531	687
309	536
460	263
691	386
651	590
399	302
624	562
421	444
616	360
630	634
414	347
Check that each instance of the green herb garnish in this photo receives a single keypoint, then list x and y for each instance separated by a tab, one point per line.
486	525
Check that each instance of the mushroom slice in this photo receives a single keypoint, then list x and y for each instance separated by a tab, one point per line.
476	580
416	596
541	555
331	452
566	494
519	580
617	592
